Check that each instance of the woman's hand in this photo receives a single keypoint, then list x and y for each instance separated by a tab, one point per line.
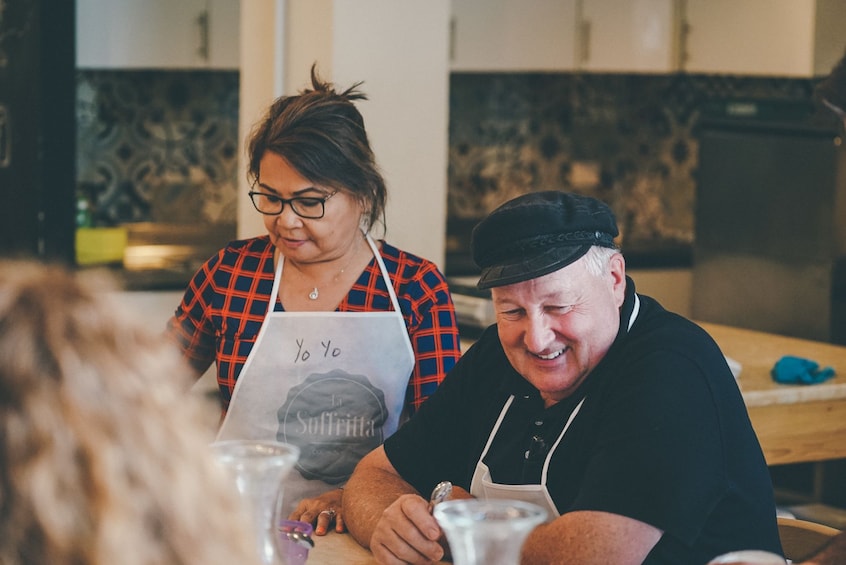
322	511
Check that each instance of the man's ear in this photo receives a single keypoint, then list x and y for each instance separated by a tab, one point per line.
617	271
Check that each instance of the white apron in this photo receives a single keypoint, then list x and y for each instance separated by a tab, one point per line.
331	383
482	486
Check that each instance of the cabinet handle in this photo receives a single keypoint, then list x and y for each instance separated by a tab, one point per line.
585	41
452	29
683	31
684	34
5	138
203	25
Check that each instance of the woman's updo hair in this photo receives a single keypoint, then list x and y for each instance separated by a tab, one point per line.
321	134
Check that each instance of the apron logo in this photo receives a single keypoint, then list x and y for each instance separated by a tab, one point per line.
335	419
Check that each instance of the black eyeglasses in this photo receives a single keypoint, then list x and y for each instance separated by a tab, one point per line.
308	207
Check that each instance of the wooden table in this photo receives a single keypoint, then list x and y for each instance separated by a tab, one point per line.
339	549
794	423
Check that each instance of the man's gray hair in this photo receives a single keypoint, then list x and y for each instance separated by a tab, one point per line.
597	259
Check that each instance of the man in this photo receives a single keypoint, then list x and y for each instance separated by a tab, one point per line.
622	419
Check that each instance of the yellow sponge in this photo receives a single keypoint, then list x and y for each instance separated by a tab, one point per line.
99	246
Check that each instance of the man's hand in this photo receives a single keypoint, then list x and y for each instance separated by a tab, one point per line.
407	533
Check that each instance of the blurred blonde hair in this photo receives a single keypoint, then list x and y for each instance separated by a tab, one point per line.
104	455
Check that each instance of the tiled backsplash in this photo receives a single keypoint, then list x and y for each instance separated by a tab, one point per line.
158	146
627	139
161	146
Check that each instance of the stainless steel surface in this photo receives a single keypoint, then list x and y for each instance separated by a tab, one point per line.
473	311
167	255
769	228
473	307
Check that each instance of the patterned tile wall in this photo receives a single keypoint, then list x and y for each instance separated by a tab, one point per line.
161	146
158	146
627	139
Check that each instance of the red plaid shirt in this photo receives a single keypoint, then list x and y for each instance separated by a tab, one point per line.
226	301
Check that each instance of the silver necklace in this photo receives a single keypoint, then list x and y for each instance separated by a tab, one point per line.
315	293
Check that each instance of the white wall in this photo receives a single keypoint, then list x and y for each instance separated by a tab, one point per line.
400	51
671	287
260	82
154	308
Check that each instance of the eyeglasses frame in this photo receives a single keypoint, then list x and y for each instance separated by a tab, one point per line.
289	202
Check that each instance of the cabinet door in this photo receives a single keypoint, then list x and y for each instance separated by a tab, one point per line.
504	35
161	34
750	37
224	27
632	36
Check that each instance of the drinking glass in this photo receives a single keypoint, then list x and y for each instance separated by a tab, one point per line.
487	532
295	541
748	557
259	469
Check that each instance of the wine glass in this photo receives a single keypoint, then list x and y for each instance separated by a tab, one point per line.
259	469
487	532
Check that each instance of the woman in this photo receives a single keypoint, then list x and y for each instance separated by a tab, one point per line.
322	336
105	460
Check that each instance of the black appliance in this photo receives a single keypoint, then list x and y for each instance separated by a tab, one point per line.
37	128
770	235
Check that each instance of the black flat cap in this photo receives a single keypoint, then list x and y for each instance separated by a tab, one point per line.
538	233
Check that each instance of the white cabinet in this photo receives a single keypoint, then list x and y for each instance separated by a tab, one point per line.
563	35
800	38
224	25
634	36
509	35
161	34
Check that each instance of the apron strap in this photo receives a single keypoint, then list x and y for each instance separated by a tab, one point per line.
560	437
502	414
388	282
635	312
277	278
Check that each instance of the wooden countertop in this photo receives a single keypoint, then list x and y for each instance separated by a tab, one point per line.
794	423
338	549
334	549
757	352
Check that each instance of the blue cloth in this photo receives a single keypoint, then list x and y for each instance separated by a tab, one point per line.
796	370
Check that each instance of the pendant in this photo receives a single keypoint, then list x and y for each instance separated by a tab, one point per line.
313	294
